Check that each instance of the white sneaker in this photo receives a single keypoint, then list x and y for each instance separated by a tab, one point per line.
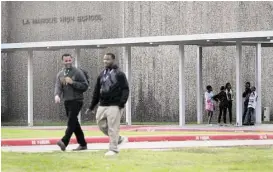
110	153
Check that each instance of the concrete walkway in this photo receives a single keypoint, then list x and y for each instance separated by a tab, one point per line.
143	145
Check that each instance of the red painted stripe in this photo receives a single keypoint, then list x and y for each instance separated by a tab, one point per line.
97	140
29	142
235	137
160	138
196	129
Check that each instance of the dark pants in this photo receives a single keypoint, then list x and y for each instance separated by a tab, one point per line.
210	114
230	111
73	126
245	112
223	111
250	112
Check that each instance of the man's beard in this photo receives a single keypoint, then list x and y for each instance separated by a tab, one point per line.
109	65
68	65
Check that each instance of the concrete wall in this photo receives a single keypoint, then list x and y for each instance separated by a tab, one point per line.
48	63
155	70
4	66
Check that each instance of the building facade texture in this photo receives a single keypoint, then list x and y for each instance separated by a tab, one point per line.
154	87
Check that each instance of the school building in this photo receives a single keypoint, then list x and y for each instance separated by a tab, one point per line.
154	87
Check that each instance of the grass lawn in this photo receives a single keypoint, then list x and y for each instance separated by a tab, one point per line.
10	133
63	123
239	159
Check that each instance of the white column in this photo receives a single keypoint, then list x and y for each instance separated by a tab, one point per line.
78	51
182	108
30	88
77	56
239	98
129	78
199	86
258	75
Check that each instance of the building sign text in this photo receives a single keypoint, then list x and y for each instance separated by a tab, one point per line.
66	19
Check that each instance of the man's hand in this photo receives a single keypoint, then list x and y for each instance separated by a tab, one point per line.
57	99
88	111
68	80
62	80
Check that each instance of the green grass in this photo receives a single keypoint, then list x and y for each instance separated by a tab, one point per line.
240	159
11	133
63	123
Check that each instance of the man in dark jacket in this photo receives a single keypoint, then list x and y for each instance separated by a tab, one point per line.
111	92
70	84
246	95
222	98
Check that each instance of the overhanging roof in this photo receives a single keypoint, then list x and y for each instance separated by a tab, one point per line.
216	39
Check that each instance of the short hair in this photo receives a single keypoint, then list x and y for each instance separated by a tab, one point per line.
65	55
222	88
111	54
248	83
209	87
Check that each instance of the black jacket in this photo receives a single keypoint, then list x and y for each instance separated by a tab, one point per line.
118	93
246	95
222	97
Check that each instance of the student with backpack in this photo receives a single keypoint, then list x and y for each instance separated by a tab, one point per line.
111	93
70	84
223	104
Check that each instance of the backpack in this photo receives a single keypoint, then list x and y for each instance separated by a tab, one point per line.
86	75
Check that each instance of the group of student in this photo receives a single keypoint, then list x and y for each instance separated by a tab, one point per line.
225	98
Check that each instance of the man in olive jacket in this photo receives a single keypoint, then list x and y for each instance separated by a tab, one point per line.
70	84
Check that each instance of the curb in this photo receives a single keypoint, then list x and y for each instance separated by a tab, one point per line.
198	129
53	141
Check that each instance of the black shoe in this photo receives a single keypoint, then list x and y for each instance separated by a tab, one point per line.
61	145
79	148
